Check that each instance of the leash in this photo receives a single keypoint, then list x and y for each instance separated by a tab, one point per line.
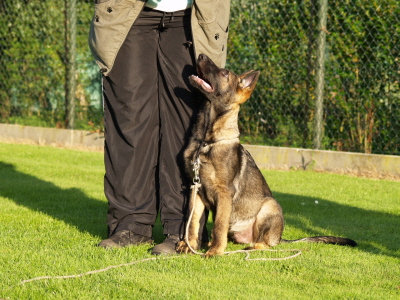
195	189
94	271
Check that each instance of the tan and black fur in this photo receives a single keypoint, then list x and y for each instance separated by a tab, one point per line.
232	186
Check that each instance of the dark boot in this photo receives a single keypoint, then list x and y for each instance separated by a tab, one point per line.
167	247
125	238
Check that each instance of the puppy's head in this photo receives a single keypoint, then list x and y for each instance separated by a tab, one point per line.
221	86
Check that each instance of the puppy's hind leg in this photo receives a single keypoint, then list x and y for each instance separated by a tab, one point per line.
268	227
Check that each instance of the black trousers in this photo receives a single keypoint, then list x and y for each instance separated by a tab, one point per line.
148	114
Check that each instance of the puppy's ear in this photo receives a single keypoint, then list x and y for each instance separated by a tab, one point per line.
247	84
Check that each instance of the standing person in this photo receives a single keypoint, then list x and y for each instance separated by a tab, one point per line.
146	52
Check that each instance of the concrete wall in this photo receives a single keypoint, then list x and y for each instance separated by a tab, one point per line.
371	165
267	157
50	136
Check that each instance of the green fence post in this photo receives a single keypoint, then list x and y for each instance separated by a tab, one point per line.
320	74
70	62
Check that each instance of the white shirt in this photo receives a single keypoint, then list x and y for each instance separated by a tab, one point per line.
169	5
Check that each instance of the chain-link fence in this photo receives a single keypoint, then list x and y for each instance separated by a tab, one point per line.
48	75
329	79
353	104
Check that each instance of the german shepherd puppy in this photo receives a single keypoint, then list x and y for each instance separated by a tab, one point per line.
232	186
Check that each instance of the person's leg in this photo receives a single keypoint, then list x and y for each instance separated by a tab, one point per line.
177	105
177	110
132	132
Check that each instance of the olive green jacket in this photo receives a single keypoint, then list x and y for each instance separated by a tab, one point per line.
113	19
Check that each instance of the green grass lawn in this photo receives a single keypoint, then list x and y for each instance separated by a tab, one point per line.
53	213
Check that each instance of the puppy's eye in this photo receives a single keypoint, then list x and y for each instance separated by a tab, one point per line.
225	72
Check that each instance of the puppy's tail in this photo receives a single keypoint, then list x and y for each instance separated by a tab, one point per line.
324	239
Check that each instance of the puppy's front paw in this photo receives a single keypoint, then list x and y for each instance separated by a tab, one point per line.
183	247
213	251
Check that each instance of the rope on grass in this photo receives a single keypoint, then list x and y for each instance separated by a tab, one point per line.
94	271
167	257
298	252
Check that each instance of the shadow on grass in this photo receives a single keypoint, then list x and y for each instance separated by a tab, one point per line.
69	205
375	232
